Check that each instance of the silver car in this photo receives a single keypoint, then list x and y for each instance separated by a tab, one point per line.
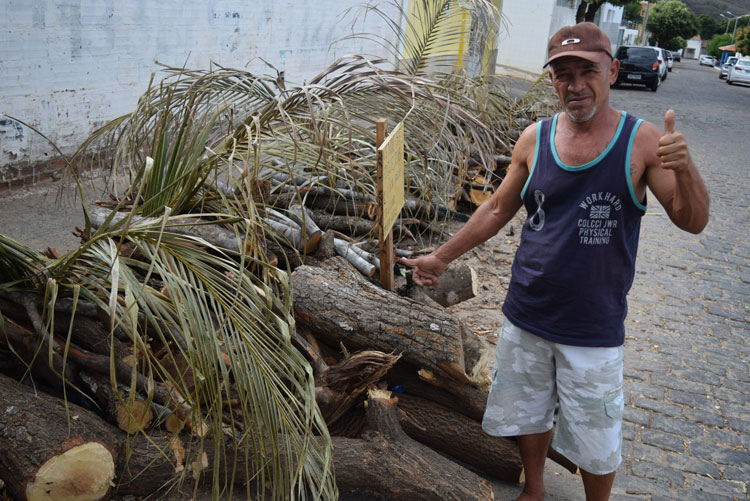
727	64
740	72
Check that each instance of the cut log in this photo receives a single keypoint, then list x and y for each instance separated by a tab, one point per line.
211	233
293	233
304	218
339	387
131	415
473	402
336	204
73	461
91	335
48	366
394	466
325	246
348	252
338	305
458	283
343	224
460	437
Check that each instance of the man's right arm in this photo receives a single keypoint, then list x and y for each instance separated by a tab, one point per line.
487	220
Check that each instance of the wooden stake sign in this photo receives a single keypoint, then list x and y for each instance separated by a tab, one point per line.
390	193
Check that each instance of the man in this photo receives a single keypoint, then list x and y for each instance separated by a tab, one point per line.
582	176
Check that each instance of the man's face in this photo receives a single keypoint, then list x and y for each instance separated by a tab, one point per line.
582	85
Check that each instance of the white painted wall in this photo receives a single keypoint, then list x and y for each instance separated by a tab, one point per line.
528	26
69	66
693	50
609	20
523	35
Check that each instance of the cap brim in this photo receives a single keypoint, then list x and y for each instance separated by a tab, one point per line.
594	57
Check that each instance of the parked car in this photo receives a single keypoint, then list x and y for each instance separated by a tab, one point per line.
670	60
639	66
727	64
707	60
677	55
740	72
663	68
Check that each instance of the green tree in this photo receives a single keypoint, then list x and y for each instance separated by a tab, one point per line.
671	19
675	44
632	13
712	49
742	41
707	26
588	8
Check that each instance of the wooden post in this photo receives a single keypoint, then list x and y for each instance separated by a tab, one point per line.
386	237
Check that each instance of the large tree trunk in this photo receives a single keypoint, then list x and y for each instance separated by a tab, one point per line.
393	465
339	305
460	437
51	454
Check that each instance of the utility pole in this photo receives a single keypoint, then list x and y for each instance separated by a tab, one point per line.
644	37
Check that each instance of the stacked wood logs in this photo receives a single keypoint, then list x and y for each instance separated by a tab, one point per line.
400	382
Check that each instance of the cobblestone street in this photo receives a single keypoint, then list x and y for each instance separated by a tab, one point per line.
687	362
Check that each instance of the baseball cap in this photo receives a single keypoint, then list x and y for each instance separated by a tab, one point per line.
583	40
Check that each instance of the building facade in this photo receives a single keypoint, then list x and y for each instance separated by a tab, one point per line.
522	41
70	67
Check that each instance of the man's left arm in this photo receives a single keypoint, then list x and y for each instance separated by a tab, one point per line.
673	178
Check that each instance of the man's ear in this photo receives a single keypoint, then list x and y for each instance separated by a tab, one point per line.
614	69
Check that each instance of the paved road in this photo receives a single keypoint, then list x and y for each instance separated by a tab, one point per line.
687	363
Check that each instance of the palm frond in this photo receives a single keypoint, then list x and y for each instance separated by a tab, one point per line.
431	36
232	326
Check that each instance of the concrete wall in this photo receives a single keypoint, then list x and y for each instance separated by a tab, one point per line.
522	40
693	50
609	18
529	24
69	66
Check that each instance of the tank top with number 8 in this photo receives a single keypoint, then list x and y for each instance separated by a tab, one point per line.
576	261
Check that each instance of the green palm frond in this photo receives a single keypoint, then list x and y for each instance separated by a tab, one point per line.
426	37
231	326
20	266
323	131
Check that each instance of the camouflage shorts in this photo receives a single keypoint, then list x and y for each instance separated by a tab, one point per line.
532	375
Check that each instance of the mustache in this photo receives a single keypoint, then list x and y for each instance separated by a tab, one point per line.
577	95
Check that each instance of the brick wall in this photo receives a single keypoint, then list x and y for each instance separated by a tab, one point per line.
69	66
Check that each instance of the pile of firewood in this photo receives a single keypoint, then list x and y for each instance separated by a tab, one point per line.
400	382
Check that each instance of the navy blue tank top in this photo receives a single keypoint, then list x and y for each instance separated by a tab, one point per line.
576	260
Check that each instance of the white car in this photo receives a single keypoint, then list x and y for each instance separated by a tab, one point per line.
731	60
707	60
739	72
670	60
661	57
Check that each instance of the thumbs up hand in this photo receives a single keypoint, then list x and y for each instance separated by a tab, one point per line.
673	150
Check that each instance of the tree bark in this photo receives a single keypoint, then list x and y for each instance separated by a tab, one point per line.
339	305
393	465
457	284
460	437
386	462
34	428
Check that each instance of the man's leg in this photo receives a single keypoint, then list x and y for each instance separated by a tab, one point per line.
533	450
597	487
